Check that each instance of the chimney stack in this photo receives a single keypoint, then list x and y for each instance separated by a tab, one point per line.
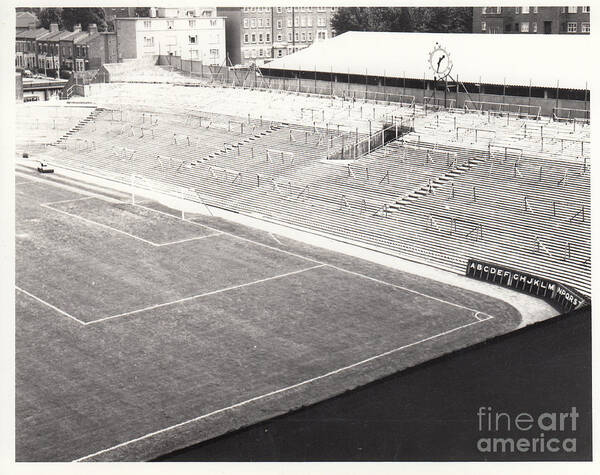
92	28
53	27
77	28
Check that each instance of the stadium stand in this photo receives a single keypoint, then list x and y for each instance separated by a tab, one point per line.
440	185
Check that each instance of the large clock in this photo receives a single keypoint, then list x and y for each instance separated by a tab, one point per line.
440	62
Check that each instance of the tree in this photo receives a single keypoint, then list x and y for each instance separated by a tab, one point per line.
434	19
50	15
350	19
84	16
142	11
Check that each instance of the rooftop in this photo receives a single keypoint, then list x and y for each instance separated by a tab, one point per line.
24	19
541	60
32	34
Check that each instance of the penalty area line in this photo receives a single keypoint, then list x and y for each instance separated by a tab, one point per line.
332	266
49	305
206	294
278	391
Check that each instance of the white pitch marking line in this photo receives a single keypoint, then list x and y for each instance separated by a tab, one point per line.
49	305
197	238
404	288
42	181
67	201
213	292
102	225
484	318
278	391
241	238
275	239
324	263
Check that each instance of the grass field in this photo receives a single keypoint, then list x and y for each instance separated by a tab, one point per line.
138	333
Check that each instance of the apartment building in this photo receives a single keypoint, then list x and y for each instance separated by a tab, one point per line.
191	33
532	20
256	35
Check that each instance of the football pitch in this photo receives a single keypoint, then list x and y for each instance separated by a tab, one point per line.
138	333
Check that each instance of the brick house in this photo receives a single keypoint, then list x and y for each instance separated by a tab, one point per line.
532	20
26	47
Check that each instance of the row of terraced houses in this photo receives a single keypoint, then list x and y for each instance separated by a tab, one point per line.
51	51
248	35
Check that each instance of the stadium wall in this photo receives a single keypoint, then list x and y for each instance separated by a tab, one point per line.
379	88
19	87
374	86
119	71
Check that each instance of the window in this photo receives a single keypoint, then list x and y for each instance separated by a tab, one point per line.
253	22
214	53
483	26
246	54
170	24
309	21
260	37
534	27
267	37
303	36
192	23
525	27
245	37
534	9
296	37
524	10
296	21
253	37
260	52
279	53
279	37
572	27
289	22
279	24
302	20
147	24
585	28
193	39
148	40
268	22
260	22
279	9
310	36
246	23
484	10
585	9
213	22
289	36
517	10
571	9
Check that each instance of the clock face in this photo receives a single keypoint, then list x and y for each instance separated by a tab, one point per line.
440	62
